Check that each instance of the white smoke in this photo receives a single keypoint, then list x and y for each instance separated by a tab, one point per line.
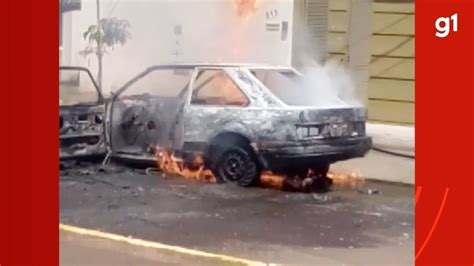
327	85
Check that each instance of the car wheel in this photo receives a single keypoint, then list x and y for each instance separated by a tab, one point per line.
321	170
321	176
237	165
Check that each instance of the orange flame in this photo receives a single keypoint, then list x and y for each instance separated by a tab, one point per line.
353	180
271	180
169	164
245	7
195	169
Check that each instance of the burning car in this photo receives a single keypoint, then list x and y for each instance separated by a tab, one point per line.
81	114
237	119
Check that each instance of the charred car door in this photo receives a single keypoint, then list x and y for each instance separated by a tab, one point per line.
81	114
146	112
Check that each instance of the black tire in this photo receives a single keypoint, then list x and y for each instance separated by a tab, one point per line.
236	164
321	176
321	170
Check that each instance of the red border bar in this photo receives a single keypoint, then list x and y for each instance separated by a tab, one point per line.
444	135
29	164
29	194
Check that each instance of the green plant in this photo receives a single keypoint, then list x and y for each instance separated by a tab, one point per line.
103	37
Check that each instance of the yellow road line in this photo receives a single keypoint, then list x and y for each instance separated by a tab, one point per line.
156	245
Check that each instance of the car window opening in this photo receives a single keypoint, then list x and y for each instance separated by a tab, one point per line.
214	87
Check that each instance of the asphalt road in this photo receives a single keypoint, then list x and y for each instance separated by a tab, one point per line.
343	226
86	250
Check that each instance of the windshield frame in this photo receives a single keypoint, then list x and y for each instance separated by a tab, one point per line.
100	97
281	70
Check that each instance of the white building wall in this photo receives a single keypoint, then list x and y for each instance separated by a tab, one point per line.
211	31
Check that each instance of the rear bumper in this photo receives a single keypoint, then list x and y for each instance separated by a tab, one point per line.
282	158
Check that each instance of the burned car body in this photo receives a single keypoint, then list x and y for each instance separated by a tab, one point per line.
81	114
227	114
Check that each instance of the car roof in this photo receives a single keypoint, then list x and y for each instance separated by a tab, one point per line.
206	64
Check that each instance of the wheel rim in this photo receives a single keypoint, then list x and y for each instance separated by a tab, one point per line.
233	167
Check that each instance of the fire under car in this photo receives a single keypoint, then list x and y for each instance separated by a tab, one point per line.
237	117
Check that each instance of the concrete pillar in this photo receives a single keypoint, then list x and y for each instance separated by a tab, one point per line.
359	35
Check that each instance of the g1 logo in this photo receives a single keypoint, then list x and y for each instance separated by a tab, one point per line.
443	25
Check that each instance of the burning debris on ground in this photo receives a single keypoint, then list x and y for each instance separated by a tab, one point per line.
194	168
169	164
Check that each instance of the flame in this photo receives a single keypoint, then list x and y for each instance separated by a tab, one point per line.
271	180
235	45
245	7
305	183
239	47
352	180
195	169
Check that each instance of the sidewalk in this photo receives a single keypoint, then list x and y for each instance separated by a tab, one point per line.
380	165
